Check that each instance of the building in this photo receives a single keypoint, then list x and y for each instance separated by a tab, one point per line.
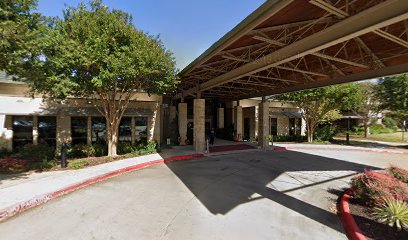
27	120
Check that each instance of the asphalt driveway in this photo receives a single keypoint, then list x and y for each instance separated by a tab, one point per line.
249	195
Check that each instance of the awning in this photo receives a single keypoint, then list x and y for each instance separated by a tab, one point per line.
286	114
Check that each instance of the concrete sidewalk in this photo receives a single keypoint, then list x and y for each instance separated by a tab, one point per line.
26	190
333	147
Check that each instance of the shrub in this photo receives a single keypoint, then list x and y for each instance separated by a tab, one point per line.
389	123
77	164
399	173
100	150
144	148
36	153
44	165
393	212
380	128
287	138
326	133
374	187
125	148
357	131
12	165
89	150
76	151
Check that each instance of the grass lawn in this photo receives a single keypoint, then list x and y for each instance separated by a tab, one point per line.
384	137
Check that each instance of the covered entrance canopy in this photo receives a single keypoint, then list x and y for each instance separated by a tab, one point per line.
290	45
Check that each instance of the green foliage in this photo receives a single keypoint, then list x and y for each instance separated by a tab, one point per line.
323	105
399	173
287	138
380	128
77	164
357	131
20	27
100	150
36	153
326	133
126	147
147	148
393	92
88	150
394	213
389	122
140	148
41	166
97	53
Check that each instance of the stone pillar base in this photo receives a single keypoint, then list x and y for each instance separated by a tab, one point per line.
263	129
238	123
199	125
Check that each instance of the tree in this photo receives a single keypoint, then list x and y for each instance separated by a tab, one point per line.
321	105
97	53
366	104
19	29
393	94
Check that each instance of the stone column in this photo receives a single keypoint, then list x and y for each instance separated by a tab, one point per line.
6	133
263	120
220	118
2	121
8	124
199	125
182	122
35	130
89	130
133	130
238	123
63	129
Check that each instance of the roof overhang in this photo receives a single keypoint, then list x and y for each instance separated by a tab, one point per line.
292	45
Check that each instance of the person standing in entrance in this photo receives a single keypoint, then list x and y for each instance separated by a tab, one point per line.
212	136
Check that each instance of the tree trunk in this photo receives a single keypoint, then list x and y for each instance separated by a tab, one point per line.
365	129
112	139
310	129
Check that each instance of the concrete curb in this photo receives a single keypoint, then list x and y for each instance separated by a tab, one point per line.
11	211
350	150
350	226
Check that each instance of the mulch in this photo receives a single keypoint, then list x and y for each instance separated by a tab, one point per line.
371	228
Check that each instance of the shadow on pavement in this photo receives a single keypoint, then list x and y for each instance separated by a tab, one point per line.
224	182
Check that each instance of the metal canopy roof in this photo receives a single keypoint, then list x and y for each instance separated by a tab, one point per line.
291	45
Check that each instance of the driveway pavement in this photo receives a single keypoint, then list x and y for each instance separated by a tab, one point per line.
248	195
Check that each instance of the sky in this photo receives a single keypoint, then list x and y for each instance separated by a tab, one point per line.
186	27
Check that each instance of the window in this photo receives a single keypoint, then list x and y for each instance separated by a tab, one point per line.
79	126
22	131
99	130
273	126
141	129
47	130
295	126
125	129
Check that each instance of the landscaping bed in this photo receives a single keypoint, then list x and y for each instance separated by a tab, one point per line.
44	158
379	203
369	225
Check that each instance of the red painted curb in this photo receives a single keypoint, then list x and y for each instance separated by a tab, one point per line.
38	200
350	150
280	148
350	226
